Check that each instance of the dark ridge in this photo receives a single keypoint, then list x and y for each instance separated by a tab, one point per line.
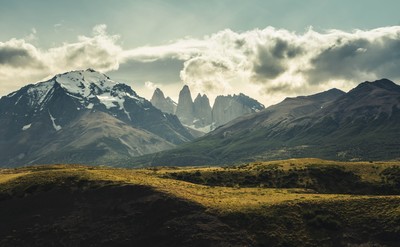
369	86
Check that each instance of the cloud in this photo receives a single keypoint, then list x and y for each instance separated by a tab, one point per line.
270	61
18	55
163	70
99	52
22	62
285	62
368	54
207	74
150	85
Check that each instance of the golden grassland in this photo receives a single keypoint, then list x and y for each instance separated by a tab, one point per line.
240	197
7	175
366	170
215	198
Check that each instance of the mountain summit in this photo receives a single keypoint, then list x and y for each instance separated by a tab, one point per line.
164	104
361	124
185	108
82	117
199	115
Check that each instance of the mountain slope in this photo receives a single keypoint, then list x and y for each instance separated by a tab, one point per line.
90	141
46	113
361	124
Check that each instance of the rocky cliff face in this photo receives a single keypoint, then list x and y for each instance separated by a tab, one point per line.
199	115
202	111
227	108
185	108
161	102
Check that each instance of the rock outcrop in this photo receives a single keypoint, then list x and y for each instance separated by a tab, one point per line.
202	111
227	108
199	115
165	104
185	107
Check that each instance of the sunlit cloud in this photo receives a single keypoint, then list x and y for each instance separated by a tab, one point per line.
272	61
150	85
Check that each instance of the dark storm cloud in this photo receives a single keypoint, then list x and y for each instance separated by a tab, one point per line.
17	57
357	58
162	71
267	67
284	49
271	59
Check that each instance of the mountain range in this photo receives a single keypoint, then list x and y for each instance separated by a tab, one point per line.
82	117
199	115
85	117
362	124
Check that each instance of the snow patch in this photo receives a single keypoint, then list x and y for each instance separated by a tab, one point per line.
89	84
127	113
108	101
39	93
26	126
204	129
55	126
19	98
85	83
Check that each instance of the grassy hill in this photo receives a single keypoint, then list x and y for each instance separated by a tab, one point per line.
302	202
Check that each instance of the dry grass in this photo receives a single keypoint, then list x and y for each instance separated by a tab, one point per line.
225	199
215	198
273	217
5	177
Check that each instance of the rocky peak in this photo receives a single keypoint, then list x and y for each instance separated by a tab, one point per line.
164	104
185	108
200	115
382	84
202	111
158	93
386	84
85	82
323	97
227	108
379	98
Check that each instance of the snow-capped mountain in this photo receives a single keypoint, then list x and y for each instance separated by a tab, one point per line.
38	115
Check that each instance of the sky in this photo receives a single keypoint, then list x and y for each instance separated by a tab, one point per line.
266	49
